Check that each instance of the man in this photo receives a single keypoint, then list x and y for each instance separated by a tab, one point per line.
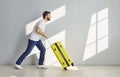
35	40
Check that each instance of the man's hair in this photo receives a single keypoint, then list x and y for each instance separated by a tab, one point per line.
46	13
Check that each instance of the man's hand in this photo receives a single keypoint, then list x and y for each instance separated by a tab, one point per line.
46	36
38	30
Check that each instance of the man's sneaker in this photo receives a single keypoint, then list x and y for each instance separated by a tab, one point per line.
18	66
41	67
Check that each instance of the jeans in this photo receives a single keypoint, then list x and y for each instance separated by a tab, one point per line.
29	48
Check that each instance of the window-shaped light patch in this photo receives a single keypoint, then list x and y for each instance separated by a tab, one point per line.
97	40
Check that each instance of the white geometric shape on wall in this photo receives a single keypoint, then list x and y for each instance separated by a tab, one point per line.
90	51
97	40
91	35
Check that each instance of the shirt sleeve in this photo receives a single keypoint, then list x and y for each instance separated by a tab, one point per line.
40	25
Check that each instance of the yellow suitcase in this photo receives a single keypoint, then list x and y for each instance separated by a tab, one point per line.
62	55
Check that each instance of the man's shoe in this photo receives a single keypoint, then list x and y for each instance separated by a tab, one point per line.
18	66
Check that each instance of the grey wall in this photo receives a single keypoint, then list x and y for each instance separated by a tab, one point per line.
15	14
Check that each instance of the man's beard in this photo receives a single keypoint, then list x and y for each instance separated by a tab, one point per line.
48	19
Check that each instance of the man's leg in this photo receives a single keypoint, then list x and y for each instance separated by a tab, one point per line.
30	46
42	49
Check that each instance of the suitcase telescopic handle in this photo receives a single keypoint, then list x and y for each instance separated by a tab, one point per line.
49	41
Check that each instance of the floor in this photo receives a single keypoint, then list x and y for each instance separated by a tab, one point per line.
81	71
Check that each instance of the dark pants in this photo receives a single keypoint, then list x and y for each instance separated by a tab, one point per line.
30	46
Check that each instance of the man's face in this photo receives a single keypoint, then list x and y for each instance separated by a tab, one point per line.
48	17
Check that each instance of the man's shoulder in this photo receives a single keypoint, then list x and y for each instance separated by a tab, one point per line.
39	22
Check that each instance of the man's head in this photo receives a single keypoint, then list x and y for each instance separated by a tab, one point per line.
47	15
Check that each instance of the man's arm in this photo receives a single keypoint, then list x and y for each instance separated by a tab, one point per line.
39	31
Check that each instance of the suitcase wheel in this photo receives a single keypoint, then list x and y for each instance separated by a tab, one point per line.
72	64
65	68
